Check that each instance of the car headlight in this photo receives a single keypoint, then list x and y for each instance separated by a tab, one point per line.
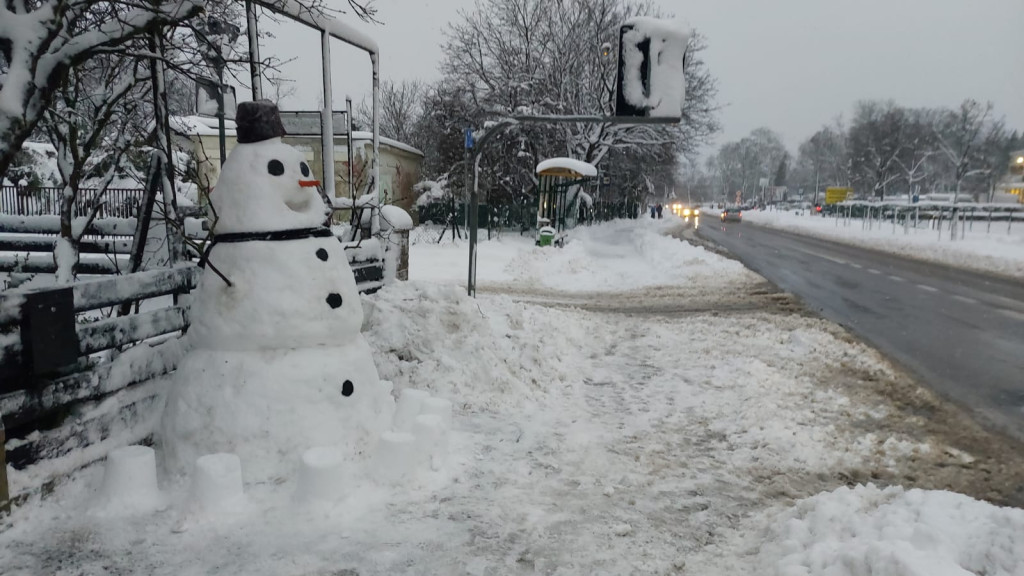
696	212
686	212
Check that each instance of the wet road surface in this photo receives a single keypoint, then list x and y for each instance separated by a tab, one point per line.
960	332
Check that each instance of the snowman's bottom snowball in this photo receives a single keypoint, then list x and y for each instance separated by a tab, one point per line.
270	406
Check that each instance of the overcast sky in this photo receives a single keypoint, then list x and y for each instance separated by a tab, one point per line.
791	65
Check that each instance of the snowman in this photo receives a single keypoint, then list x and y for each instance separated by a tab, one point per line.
276	363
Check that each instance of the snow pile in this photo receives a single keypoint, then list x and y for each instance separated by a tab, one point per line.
995	252
394	217
615	256
893	532
453	349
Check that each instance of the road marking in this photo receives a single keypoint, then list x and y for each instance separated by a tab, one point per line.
1011	313
873	271
964	299
897	278
820	255
927	287
855	265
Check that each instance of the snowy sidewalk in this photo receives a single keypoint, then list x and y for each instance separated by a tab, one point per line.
701	440
994	251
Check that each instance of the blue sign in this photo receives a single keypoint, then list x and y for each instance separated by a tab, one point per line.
469	138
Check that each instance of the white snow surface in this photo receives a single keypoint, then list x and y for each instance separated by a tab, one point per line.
582	443
615	256
394	217
993	251
888	532
578	166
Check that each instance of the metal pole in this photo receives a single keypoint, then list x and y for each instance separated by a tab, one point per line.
375	61
221	129
989	228
5	496
473	194
327	119
252	31
348	147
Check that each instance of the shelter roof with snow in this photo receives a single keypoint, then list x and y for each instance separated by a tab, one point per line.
566	167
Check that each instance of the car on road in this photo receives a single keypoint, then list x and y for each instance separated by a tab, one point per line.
732	215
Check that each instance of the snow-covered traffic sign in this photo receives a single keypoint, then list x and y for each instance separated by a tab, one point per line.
650	81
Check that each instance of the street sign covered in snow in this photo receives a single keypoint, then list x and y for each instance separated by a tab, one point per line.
650	80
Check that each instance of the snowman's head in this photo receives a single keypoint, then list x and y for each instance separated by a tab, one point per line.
266	185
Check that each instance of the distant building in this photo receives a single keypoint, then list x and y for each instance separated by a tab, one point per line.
1013	183
399	163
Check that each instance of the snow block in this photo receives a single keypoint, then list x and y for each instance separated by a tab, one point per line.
217	484
321	475
129	481
438	407
409	406
431	439
397	456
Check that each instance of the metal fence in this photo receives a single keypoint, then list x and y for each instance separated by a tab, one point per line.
46	201
957	219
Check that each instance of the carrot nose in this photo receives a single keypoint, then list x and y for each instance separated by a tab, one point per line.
309	183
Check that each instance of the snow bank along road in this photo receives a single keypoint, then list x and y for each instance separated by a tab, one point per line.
961	331
630	404
994	249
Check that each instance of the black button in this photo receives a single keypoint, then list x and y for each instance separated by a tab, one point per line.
334	300
347	388
322	254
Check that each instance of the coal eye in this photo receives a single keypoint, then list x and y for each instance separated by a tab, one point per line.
305	169
275	167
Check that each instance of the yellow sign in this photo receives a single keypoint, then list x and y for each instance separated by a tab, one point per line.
836	195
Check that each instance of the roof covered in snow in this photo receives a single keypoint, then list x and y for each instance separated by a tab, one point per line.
568	167
205	126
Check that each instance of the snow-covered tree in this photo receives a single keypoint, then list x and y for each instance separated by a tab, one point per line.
41	40
744	163
963	135
876	140
544	58
97	117
400	110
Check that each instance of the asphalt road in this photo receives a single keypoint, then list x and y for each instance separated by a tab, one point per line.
961	332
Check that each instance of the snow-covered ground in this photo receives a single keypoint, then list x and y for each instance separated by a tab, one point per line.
620	441
618	256
980	249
